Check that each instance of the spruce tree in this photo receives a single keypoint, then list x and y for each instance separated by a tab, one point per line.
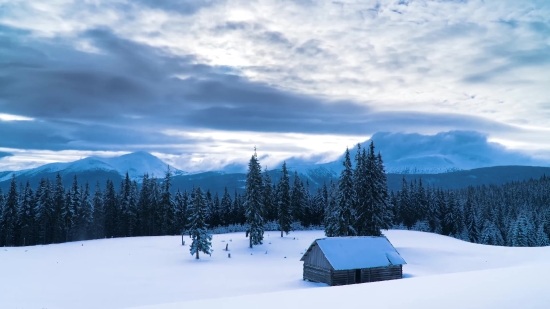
181	201
225	206
167	206
85	217
43	211
27	217
125	208
98	213
144	207
59	199
253	204
332	212
344	225
270	206
9	216
201	239
284	215
110	204
297	199
2	204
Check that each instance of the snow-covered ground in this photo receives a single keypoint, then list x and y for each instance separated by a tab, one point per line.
159	273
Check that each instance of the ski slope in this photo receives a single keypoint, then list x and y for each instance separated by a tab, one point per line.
159	273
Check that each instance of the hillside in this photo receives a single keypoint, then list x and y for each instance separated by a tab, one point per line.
152	271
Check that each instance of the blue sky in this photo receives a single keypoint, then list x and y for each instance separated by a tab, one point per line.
200	82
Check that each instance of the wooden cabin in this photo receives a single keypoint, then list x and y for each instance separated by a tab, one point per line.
349	260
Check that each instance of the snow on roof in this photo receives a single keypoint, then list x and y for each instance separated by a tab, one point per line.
358	252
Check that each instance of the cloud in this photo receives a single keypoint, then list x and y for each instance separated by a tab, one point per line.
119	75
5	154
441	152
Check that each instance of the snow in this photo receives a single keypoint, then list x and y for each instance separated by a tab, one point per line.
159	273
136	164
358	252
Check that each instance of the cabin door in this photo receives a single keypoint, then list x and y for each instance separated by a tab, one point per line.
357	276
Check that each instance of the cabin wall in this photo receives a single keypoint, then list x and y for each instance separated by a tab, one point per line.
316	257
381	273
317	274
343	277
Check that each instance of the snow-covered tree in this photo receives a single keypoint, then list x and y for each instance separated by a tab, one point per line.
198	229
332	212
521	231
9	216
26	216
226	207
254	201
98	213
344	212
284	215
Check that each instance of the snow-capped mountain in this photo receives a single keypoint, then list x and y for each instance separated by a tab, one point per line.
444	152
135	164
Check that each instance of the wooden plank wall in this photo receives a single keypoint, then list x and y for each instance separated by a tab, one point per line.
382	273
343	277
317	274
316	257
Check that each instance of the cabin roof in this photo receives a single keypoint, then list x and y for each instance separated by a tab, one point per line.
357	252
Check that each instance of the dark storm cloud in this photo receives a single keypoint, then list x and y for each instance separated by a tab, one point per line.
127	93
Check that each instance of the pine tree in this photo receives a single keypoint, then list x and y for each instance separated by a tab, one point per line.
85	217
98	213
182	202
254	201
490	235
27	217
216	221
521	231
284	215
144	207
238	209
111	210
167	206
2	204
297	199
270	206
362	198
345	200
59	199
132	212
43	211
332	212
125	208
201	239
225	206
9	216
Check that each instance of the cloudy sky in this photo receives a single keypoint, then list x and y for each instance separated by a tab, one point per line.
201	82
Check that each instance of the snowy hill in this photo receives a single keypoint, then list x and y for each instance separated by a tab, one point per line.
136	164
159	273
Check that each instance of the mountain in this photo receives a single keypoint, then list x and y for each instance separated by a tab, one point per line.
98	168
405	153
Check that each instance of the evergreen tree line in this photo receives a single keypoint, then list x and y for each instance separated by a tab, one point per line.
514	214
52	213
357	204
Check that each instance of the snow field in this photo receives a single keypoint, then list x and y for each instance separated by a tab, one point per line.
157	272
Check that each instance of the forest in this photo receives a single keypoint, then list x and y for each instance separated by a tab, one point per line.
358	203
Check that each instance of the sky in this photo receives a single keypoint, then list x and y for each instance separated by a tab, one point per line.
199	83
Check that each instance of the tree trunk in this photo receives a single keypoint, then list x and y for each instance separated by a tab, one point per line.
197	255
281	233
250	241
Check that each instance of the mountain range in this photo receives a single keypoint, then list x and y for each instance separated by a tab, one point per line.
447	159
